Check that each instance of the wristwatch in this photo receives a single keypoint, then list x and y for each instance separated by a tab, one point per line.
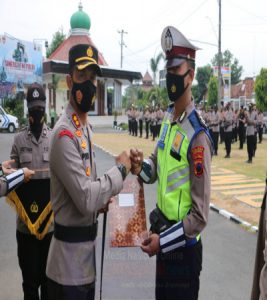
122	169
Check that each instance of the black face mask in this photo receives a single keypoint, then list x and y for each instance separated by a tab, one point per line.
36	119
84	94
175	85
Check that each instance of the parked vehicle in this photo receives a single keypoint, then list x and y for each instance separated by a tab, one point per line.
8	122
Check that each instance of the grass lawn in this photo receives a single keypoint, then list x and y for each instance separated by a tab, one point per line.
116	142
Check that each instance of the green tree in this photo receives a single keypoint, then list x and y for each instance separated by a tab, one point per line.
202	76
228	59
261	89
58	38
132	95
213	91
154	64
195	92
158	96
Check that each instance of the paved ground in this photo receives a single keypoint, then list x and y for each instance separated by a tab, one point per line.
128	273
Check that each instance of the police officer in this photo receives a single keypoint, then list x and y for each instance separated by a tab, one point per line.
77	194
241	127
181	161
30	149
214	127
228	128
147	121
129	116
260	125
10	178
140	121
251	120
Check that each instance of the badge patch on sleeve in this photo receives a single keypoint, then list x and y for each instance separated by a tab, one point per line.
198	157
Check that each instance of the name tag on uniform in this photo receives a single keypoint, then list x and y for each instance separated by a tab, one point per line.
161	143
177	142
176	145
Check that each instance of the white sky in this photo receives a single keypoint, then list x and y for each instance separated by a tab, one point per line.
244	27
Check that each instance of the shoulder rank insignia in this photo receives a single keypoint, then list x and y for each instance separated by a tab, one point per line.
182	117
66	132
200	119
83	144
76	121
88	171
78	133
198	157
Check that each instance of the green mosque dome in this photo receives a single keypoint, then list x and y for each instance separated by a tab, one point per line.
80	19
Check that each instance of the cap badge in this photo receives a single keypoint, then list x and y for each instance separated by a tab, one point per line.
90	52
168	40
79	96
173	88
35	94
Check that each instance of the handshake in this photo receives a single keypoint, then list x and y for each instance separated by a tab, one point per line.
131	160
8	169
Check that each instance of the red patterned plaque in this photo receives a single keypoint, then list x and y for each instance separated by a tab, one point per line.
127	216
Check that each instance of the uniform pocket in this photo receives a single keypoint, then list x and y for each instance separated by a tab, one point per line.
25	158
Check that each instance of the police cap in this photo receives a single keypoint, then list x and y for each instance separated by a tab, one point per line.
83	56
35	95
176	47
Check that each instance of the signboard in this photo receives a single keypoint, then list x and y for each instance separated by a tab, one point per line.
20	64
225	71
226	77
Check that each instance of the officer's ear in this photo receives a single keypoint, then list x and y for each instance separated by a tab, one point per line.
69	81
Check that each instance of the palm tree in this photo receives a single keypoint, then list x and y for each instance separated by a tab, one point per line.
154	63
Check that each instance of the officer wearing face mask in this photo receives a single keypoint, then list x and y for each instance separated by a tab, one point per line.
32	200
77	194
181	162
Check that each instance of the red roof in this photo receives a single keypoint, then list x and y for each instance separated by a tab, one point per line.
147	77
62	52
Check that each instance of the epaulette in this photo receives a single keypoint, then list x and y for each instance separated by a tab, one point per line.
23	128
196	120
65	132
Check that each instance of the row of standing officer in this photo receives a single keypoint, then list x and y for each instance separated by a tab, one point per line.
229	124
149	118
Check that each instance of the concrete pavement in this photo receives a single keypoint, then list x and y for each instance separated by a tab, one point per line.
228	255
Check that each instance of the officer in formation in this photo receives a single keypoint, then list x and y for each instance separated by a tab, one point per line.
251	120
77	194
241	127
214	128
140	117
152	118
228	117
30	149
10	178
147	121
182	162
260	125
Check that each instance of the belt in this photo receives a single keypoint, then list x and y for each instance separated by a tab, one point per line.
72	234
